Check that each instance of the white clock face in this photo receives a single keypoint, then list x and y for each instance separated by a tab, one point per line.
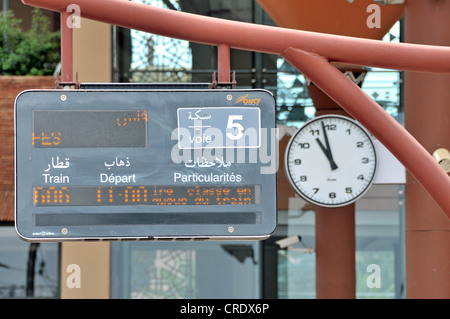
331	161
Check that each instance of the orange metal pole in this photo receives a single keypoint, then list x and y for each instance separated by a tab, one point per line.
66	48
258	38
335	252
334	231
427	117
223	63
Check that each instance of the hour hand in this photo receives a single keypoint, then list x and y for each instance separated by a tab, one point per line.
327	154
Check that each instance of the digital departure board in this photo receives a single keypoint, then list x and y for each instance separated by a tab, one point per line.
145	164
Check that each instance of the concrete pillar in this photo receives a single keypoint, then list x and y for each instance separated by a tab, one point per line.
92	60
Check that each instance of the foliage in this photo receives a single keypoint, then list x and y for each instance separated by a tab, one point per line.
31	52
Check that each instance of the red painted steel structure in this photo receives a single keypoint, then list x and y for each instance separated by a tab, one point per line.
66	49
309	52
427	117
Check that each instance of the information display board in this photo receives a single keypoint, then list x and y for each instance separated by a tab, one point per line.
145	164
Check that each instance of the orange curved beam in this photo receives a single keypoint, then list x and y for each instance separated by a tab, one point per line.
303	49
259	38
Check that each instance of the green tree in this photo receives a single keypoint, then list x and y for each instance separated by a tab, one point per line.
32	52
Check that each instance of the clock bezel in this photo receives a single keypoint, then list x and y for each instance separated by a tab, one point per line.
297	189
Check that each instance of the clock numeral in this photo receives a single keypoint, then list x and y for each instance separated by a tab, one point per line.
297	161
332	195
365	160
314	132
360	144
348	131
304	145
303	178
348	190
331	127
315	190
361	177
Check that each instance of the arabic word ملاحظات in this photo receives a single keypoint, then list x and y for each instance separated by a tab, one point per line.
205	163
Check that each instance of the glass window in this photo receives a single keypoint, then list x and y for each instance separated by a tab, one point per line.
294	266
173	270
379	252
27	270
158	59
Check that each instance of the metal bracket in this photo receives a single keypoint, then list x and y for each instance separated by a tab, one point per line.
67	85
129	86
216	85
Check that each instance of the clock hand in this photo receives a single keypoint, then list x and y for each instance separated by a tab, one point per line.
326	137
328	148
325	151
327	154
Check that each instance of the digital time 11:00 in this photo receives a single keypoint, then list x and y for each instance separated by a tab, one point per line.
146	195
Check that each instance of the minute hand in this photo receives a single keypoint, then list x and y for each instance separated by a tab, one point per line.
327	149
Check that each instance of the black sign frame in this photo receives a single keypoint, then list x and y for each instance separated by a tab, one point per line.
238	169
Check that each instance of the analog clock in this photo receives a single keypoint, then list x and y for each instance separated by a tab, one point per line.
331	161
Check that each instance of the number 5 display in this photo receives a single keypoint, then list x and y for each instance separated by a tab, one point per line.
235	130
212	127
